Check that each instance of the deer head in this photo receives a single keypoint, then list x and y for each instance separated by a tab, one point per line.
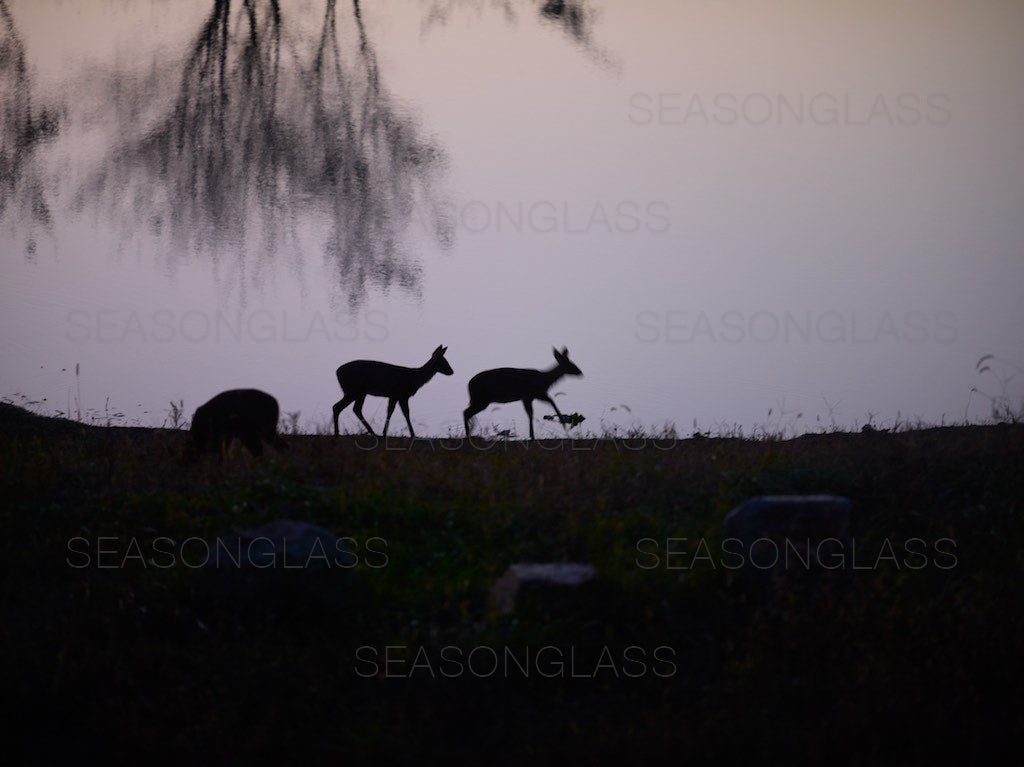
440	362
565	365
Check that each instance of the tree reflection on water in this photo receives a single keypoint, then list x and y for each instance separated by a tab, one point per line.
278	138
257	134
575	18
22	129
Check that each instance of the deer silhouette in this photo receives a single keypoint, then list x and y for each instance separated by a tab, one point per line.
249	415
362	378
523	384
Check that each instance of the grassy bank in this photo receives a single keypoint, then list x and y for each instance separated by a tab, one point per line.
904	661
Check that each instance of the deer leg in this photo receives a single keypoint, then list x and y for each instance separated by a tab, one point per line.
528	404
469	412
340	405
358	408
405	411
558	412
391	409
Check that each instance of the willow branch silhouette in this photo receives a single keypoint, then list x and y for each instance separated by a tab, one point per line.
22	130
574	18
258	136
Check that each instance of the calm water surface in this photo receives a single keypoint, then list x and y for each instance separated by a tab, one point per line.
732	216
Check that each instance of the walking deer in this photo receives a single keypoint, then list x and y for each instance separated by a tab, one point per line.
249	415
362	378
523	384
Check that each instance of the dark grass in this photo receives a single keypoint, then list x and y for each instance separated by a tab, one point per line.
885	665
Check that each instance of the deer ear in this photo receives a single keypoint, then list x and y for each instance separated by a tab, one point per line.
555	352
443	349
565	351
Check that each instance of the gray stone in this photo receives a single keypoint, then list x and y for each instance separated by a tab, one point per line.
276	564
283	544
788	534
542	580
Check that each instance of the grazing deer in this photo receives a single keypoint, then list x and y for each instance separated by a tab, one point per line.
523	384
249	415
361	378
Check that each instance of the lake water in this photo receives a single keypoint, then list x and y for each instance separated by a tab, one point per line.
783	216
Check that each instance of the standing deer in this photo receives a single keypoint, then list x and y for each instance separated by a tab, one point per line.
361	378
523	384
248	415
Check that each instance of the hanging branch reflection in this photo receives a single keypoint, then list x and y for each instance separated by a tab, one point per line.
368	166
21	131
252	138
440	12
574	17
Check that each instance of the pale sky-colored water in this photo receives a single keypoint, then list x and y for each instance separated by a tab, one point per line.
812	208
